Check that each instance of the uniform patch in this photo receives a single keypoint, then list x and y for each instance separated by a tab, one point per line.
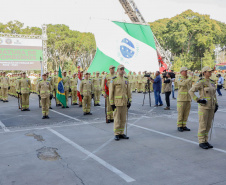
47	83
126	82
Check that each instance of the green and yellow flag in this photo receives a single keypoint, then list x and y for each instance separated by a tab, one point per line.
60	94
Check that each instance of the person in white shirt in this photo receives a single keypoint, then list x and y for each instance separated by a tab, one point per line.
220	84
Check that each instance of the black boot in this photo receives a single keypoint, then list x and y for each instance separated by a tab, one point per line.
84	113
89	113
108	121
203	145
50	108
209	145
112	120
43	117
186	129
123	136
47	117
95	104
117	138
28	109
6	101
180	129
67	107
80	105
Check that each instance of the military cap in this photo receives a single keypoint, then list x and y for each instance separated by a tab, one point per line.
183	69
120	66
44	74
207	68
86	73
111	67
64	71
24	72
98	72
47	72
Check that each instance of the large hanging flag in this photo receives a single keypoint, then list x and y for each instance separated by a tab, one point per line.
129	44
60	94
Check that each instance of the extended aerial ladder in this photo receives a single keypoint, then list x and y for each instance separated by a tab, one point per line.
136	17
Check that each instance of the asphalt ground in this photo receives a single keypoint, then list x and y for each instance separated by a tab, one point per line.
70	148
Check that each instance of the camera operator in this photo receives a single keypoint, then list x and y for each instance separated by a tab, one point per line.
157	85
167	89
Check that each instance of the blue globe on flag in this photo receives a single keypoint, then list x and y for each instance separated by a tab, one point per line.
61	87
127	48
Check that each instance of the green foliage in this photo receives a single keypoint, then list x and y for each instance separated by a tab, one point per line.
190	37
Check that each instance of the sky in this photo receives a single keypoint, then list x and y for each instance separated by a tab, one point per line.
77	14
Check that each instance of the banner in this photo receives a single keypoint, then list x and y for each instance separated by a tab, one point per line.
20	54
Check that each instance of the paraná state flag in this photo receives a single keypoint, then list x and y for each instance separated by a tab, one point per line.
60	94
132	45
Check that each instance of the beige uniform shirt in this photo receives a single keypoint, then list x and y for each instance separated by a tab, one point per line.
207	90
74	82
4	82
86	87
66	83
97	83
24	85
119	92
44	88
184	85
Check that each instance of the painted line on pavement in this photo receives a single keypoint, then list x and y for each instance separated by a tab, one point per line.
4	127
69	116
175	137
110	140
96	158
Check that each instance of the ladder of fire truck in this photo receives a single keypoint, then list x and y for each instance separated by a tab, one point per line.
136	17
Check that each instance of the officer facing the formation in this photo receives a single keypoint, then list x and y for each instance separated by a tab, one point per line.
24	90
120	100
66	83
4	81
183	99
74	82
86	90
44	91
105	88
97	88
207	105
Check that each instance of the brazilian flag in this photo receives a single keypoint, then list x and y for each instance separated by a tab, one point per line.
60	94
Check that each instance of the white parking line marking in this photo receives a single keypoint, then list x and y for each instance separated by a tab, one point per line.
96	158
175	137
68	116
4	127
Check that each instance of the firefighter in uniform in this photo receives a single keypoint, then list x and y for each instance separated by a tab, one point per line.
24	90
120	100
44	91
4	80
66	83
207	105
86	90
97	88
183	99
74	82
105	88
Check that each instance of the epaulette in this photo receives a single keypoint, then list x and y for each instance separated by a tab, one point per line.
114	77
212	80
126	77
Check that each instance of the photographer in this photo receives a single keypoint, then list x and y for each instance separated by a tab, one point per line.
167	89
157	85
